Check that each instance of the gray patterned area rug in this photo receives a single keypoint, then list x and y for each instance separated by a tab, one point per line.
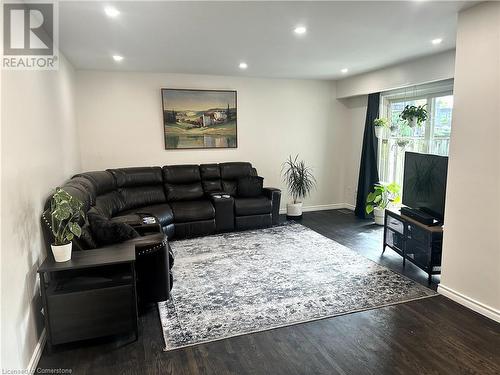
236	283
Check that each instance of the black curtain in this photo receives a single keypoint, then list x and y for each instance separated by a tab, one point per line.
368	172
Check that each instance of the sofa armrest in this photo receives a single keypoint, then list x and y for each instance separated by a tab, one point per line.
149	244
275	196
153	264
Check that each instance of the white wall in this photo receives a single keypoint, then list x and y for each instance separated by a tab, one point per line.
354	123
426	69
471	253
120	124
39	151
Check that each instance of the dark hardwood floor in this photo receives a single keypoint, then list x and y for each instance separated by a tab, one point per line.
429	336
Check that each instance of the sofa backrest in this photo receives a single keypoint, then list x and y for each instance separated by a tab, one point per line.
107	199
139	186
231	172
119	189
210	178
182	182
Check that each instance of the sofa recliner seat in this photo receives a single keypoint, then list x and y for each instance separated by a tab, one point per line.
252	206
186	211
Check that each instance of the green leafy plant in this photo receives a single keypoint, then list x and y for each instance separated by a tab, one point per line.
298	178
383	122
411	111
382	195
65	212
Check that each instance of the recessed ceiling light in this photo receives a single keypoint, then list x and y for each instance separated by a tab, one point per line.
117	58
243	65
300	30
111	12
436	41
345	70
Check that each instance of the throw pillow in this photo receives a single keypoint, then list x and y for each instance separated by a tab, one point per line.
250	186
107	232
86	239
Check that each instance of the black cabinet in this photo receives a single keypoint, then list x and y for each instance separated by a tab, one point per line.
91	295
416	242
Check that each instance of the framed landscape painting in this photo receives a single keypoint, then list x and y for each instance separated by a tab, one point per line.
199	118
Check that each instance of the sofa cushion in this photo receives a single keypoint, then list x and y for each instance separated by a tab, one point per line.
230	187
183	192
252	206
211	186
84	185
163	212
109	204
235	170
137	176
181	174
142	195
250	186
107	232
86	239
103	181
210	171
192	211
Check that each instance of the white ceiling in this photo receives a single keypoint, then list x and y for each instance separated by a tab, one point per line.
214	37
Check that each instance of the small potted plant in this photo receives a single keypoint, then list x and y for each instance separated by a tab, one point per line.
414	115
300	182
381	126
65	212
380	198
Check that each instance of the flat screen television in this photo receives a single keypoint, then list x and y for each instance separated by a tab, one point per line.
424	183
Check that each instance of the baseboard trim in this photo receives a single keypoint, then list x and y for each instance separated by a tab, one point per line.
37	353
471	303
323	207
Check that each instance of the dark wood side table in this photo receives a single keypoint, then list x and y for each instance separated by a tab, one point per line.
91	295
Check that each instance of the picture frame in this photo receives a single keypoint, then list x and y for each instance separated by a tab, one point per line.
199	118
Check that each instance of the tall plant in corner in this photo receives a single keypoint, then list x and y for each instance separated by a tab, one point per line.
300	182
65	213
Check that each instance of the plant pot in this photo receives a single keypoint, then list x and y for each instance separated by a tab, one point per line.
62	253
378	214
294	210
381	132
412	122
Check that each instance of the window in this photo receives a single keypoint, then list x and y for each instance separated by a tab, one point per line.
432	137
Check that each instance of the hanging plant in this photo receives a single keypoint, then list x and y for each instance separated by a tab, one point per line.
381	126
403	142
414	115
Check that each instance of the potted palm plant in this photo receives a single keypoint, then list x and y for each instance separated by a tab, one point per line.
381	127
65	212
380	198
300	182
414	115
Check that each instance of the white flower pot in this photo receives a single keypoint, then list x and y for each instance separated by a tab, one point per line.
412	122
62	253
381	132
294	210
379	214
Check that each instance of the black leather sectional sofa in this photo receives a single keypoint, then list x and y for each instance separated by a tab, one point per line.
184	198
187	201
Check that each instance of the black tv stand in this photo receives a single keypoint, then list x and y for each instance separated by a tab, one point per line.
416	242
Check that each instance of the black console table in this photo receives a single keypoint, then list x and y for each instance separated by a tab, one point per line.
91	295
416	242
